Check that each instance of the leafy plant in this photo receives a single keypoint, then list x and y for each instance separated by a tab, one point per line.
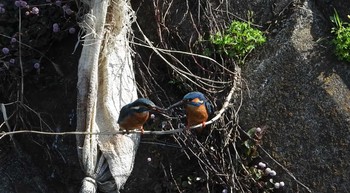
238	40
342	38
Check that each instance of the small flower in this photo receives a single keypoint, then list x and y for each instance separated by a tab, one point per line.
198	178
152	116
224	191
282	184
149	159
261	164
58	3
55	28
35	11
17	3
13	40
71	30
36	65
12	61
27	13
5	50
277	185
2	10
23	3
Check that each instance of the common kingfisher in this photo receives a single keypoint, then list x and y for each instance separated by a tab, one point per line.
134	115
197	109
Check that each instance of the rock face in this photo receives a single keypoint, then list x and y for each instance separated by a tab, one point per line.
300	91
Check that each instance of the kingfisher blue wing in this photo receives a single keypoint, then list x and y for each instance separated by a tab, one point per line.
209	106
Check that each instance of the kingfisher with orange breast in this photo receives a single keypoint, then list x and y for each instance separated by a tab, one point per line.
134	115
197	109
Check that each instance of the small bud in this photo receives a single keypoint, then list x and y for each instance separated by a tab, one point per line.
55	28
282	184
5	50
152	116
58	3
23	3
277	185
224	191
35	11
198	178
17	3
258	129
36	65
12	61
71	30
267	171
261	164
149	159
273	173
2	10
13	40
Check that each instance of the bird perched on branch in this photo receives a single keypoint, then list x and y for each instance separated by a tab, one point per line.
197	109
134	115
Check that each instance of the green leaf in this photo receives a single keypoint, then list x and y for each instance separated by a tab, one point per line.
238	40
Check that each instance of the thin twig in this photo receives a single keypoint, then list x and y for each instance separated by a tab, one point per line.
21	91
222	110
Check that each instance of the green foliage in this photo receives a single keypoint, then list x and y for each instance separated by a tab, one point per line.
238	40
342	38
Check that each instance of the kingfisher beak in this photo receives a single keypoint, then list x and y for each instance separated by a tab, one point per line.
159	110
176	104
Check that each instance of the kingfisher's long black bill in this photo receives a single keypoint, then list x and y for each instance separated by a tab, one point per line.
160	110
176	104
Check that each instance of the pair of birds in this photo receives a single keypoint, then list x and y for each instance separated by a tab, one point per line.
134	115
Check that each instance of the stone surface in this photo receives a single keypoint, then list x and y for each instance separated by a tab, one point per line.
301	92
